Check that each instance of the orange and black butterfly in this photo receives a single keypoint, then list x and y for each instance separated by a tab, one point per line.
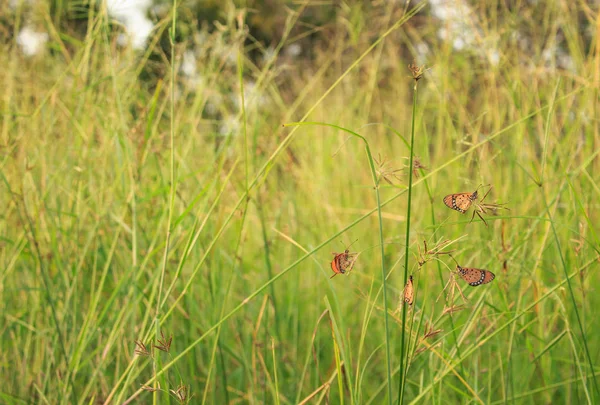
343	262
474	276
409	293
460	202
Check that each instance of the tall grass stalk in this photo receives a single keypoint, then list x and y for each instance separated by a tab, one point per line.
572	295
383	277
277	400
338	366
171	207
407	242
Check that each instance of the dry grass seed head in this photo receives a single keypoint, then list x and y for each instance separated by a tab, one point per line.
433	253
416	71
485	208
579	242
431	332
164	343
385	171
141	349
416	166
452	309
453	284
181	394
151	389
422	349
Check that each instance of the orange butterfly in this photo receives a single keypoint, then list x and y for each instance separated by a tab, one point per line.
343	262
409	293
474	276
460	202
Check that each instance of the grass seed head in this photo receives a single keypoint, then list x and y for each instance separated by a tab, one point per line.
164	344
142	349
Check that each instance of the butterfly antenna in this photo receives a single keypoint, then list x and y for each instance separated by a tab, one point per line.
342	242
481	186
452	257
334	274
352	244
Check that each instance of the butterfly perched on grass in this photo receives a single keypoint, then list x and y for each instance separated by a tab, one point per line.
409	293
472	275
343	262
461	202
475	276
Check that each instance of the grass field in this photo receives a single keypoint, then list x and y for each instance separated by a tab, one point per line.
167	234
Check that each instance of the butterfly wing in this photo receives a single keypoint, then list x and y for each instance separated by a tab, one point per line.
449	201
463	201
476	277
335	265
460	202
489	276
409	291
342	262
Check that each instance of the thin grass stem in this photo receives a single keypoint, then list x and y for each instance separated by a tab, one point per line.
407	244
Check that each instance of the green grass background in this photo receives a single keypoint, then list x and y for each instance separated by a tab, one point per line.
138	207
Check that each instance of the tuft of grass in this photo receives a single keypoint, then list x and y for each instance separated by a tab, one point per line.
139	199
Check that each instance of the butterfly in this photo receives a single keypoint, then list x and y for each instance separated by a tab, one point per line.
460	202
343	262
409	293
474	276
